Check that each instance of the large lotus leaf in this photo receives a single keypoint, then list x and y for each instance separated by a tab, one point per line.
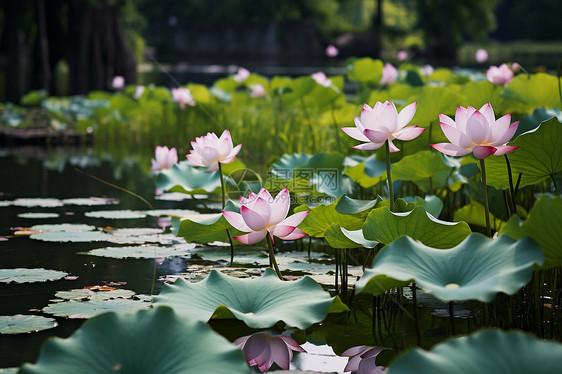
204	228
20	324
338	237
420	168
475	214
298	88
22	275
320	218
365	70
142	251
287	163
347	205
88	309
64	227
543	226
385	226
486	351
434	100
260	302
432	204
359	174
538	157
476	269
533	120
152	342
525	93
183	177
477	94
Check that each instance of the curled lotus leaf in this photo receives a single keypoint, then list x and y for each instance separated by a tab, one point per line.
148	342
20	323
259	302
339	237
476	269
487	351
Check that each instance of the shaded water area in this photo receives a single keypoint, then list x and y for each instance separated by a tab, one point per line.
40	173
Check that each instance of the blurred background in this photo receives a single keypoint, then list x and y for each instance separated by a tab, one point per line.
75	46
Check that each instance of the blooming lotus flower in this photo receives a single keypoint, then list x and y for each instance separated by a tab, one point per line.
118	82
321	78
261	214
241	75
426	70
209	150
183	97
381	123
389	74
257	90
332	51
476	131
402	55
363	360
262	350
481	56
499	75
139	90
164	158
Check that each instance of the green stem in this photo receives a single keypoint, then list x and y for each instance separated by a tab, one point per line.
415	312
388	176
511	189
555	185
559	85
485	197
336	129
272	255
223	188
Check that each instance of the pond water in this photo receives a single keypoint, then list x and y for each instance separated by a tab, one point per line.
51	174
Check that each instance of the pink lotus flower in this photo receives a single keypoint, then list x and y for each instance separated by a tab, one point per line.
426	70
381	123
118	82
261	214
476	131
481	56
241	75
257	90
262	350
139	90
515	67
499	75
321	78
389	74
164	158
183	97
402	55
332	51
363	360
209	150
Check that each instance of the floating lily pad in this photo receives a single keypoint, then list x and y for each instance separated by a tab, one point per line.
5	203
148	342
38	202
385	226
171	212
64	227
115	214
38	215
487	351
23	275
9	371
91	201
73	236
476	269
20	324
299	304
142	251
84	294
88	309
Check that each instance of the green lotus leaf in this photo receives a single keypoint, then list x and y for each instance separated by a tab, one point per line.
152	342
321	217
38	215
184	178
476	269
526	93
477	94
432	204
474	214
533	120
365	70
298	89
23	275
88	309
63	227
347	205
115	214
538	157
84	294
359	174
287	163
9	371
486	351
90	201
425	168
38	203
73	236
259	303
142	251
385	226
20	324
434	100
543	226
338	237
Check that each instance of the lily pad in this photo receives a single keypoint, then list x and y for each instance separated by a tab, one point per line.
148	342
385	226
171	212
20	324
63	227
38	215
23	275
88	309
38	202
84	294
260	302
142	251
487	351
115	214
91	201
73	236
476	269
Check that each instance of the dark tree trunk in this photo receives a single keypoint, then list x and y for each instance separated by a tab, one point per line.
44	46
440	47
377	30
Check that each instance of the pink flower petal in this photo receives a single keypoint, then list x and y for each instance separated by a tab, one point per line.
375	136
232	153
499	129
354	351
280	207
455	136
353	364
251	238
488	112
392	147
508	134
255	220
213	167
450	149
295	219
236	220
483	151
409	133
503	149
355	133
296	234
368	146
406	114
477	128
446	120
281	231
280	353
292	343
388	118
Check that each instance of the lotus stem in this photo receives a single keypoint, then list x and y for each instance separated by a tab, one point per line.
336	129
511	189
559	85
485	197
388	176
223	189
415	312
555	185
272	255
